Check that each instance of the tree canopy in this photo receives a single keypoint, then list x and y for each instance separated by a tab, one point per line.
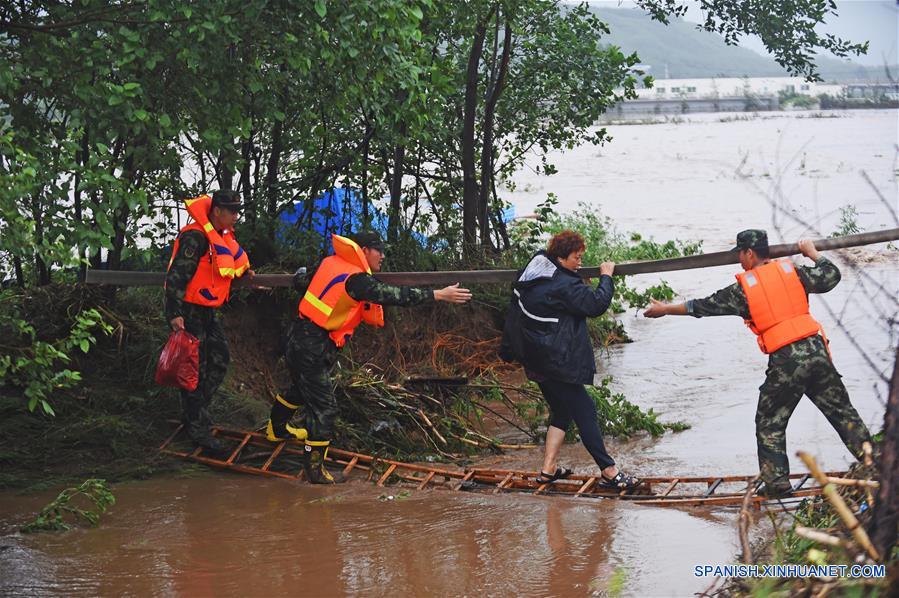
113	111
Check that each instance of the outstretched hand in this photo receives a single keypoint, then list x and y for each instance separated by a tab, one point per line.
453	294
656	309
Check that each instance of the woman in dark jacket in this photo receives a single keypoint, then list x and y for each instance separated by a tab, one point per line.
546	331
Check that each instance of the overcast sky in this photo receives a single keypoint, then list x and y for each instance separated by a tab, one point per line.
875	21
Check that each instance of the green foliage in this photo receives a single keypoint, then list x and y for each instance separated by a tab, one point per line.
788	29
848	222
53	517
620	418
604	243
797	100
113	113
37	366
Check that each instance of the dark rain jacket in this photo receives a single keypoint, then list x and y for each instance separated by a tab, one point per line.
546	325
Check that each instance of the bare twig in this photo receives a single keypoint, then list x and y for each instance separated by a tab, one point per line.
744	522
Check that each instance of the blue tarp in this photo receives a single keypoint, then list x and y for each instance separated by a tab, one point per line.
339	210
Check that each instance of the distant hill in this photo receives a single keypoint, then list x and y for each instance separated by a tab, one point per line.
687	52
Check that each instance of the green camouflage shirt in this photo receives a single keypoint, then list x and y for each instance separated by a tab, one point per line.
365	287
192	246
731	301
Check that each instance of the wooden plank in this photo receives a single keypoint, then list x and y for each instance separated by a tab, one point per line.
720	258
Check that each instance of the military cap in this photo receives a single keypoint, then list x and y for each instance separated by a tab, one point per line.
229	200
753	238
369	239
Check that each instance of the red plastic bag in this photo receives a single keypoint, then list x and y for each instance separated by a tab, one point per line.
179	363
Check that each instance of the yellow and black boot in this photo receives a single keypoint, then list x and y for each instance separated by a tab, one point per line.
314	464
278	429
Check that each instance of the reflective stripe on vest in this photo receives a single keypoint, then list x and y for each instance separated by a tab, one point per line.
225	259
778	305
326	301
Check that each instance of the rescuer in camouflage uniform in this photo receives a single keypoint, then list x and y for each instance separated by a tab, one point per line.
200	321
801	367
311	354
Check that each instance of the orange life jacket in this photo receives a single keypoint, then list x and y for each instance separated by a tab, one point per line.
778	305
225	260
326	301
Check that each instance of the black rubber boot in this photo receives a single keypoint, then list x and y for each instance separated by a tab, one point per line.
199	424
314	464
277	428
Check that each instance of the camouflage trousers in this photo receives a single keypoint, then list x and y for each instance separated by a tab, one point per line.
214	358
804	367
310	355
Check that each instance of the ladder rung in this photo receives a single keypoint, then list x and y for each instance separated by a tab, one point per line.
239	448
713	486
505	481
386	475
273	456
586	487
670	487
427	479
349	466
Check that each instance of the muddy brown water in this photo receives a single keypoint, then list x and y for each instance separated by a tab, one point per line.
226	534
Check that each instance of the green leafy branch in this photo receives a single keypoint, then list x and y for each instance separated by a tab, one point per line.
35	365
53	516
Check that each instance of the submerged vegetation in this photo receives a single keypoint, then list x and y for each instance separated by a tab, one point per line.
62	512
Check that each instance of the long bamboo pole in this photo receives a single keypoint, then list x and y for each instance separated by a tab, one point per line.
706	260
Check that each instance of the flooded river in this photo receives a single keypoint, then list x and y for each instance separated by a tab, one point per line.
703	179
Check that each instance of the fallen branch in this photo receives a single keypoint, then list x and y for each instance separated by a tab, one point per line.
855	483
818	536
744	522
839	505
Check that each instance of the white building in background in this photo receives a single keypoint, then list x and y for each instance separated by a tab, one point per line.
735	87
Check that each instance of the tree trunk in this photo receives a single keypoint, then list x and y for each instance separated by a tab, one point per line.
20	275
42	272
498	223
487	149
120	216
396	187
470	183
244	188
366	217
223	174
883	525
81	157
271	170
